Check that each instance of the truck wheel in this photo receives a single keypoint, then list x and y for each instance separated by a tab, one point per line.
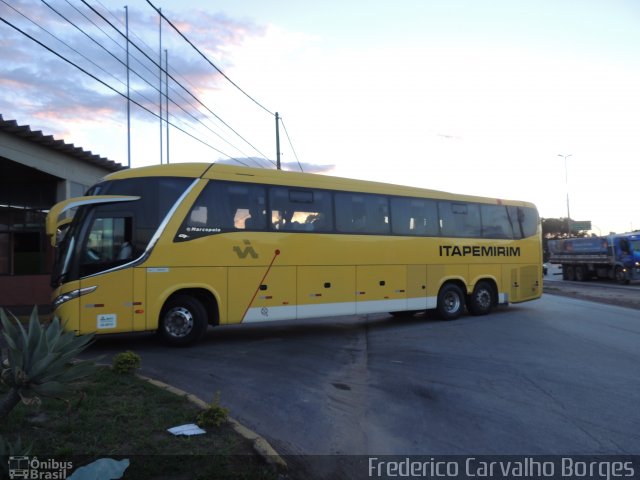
620	276
581	274
482	298
450	302
183	320
571	272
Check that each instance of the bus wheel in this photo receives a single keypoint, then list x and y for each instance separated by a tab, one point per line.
450	302
482	299
183	320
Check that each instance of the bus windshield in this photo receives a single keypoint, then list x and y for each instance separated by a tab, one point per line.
108	235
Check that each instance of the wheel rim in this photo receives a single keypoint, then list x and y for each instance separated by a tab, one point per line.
483	299
178	322
451	302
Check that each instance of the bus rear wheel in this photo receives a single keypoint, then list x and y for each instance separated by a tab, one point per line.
482	299
450	302
183	320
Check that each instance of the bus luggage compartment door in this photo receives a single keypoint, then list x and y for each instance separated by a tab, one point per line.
252	298
381	288
326	291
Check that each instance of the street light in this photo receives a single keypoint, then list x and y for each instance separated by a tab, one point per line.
566	181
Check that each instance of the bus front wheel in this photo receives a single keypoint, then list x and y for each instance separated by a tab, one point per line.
183	320
482	299
450	301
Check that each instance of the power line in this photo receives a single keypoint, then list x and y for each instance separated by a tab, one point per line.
60	40
291	144
124	64
62	57
94	41
198	121
154	74
172	78
209	61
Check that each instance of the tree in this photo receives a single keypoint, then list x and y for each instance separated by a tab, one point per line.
554	228
557	228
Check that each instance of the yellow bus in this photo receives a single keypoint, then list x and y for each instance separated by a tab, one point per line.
175	248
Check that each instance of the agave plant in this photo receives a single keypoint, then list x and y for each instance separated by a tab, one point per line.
39	361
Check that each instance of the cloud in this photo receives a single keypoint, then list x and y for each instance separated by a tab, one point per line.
35	83
308	167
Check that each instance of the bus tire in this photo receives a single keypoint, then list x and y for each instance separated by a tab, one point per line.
482	299
450	301
183	320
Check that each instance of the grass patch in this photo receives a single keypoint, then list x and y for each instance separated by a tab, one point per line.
122	416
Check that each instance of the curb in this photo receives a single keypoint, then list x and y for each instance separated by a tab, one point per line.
260	445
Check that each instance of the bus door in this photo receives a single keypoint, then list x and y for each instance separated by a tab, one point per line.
103	264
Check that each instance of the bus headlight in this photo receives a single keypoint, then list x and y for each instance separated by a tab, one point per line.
65	297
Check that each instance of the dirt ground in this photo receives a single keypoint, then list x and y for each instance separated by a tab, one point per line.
597	291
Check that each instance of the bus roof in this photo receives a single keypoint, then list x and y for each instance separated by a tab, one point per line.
220	171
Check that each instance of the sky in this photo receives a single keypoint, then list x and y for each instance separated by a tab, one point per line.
470	96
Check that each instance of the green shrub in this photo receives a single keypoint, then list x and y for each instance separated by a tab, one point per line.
214	415
40	361
126	362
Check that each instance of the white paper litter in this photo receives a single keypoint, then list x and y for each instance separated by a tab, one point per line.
188	430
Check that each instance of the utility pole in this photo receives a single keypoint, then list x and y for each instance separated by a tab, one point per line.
160	76
166	96
126	10
278	141
566	182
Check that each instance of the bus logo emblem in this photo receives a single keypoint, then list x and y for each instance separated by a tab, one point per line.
248	250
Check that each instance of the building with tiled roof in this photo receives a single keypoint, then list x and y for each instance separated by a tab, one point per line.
36	171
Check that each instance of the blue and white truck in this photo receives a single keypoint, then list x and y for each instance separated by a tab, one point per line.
612	256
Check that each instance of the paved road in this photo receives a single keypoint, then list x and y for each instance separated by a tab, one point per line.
557	375
605	291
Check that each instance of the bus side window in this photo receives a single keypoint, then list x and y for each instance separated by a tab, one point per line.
459	219
524	220
414	216
224	207
300	210
529	219
198	215
495	222
362	213
247	206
